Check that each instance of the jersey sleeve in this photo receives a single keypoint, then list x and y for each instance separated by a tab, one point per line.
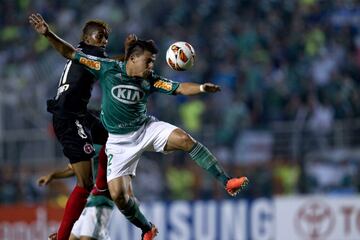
163	85
94	64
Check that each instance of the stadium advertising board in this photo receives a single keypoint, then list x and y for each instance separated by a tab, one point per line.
282	218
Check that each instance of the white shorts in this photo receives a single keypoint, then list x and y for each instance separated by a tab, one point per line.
124	151
93	222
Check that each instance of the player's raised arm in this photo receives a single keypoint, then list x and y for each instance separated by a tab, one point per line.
194	88
63	47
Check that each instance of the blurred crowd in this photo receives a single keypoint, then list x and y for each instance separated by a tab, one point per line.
276	61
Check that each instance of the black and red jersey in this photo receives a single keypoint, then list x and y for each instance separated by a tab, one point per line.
75	86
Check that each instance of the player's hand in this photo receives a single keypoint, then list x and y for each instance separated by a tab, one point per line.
211	88
44	180
130	40
38	23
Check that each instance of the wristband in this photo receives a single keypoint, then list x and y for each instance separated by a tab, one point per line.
202	88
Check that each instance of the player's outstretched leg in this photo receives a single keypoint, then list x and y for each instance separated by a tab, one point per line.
204	158
180	140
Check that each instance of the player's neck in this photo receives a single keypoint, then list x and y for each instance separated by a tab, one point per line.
130	71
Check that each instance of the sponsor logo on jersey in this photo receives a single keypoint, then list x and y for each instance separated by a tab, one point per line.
127	93
81	130
90	63
163	85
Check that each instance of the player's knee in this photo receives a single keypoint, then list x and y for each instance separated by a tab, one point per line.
120	197
83	174
85	183
186	142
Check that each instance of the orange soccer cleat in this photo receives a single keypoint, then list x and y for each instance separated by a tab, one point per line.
151	234
235	185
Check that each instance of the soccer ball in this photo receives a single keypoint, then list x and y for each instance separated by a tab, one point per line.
180	56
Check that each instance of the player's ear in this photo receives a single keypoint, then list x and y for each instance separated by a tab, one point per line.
85	38
132	58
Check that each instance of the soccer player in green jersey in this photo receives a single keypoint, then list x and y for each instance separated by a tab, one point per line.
126	87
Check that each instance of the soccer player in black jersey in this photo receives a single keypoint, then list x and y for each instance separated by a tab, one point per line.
75	126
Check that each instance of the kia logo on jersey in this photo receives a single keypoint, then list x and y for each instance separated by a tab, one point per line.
127	94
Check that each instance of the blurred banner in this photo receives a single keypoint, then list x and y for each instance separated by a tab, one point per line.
25	222
281	218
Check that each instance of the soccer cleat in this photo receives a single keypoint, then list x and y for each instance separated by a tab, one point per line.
151	234
235	185
52	236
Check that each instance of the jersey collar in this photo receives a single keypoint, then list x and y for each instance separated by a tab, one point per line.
92	50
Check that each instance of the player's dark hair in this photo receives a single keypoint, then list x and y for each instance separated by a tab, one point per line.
92	25
138	47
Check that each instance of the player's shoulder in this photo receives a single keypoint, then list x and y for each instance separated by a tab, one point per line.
94	62
157	77
95	58
154	76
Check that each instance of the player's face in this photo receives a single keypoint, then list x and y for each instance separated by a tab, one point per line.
97	38
144	64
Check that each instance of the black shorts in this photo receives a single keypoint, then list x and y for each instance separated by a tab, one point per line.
78	135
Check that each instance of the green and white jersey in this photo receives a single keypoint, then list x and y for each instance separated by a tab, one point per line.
124	98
